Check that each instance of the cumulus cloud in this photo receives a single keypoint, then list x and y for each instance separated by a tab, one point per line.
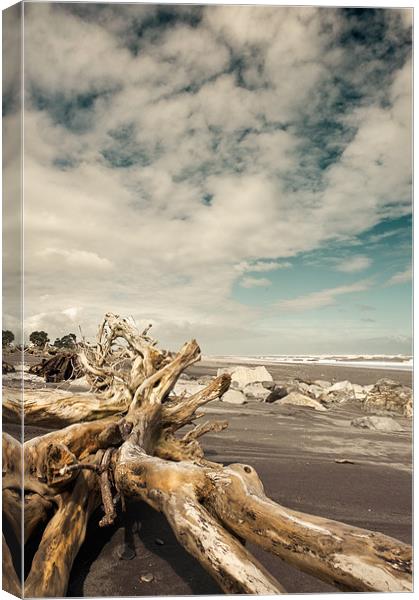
165	162
353	264
322	298
402	277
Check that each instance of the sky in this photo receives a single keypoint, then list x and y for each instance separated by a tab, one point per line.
240	175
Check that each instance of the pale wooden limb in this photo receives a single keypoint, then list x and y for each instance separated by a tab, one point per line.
157	386
176	449
203	429
106	492
62	539
146	407
120	327
171	447
101	362
81	439
176	489
52	460
226	560
91	369
57	408
348	557
180	412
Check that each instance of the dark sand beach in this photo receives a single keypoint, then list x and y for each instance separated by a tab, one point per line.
294	451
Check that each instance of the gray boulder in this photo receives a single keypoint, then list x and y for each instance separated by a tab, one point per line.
298	399
333	398
302	386
342	391
242	376
315	390
234	397
276	394
359	391
322	383
375	423
185	377
342	386
256	392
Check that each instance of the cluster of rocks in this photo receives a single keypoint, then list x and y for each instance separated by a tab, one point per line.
321	394
388	396
248	385
255	384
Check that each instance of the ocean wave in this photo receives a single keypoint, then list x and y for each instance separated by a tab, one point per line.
371	361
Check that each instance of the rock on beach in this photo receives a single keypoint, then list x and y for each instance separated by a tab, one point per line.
243	376
389	396
386	424
234	397
298	399
256	392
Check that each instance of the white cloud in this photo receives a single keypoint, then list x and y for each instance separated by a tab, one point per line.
216	183
402	277
61	322
354	264
261	266
78	259
71	312
322	298
249	282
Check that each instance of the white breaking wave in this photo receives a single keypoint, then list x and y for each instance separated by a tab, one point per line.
397	362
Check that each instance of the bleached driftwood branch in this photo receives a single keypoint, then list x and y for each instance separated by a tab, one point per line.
122	438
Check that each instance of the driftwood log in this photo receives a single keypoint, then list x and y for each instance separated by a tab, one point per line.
60	367
7	368
123	439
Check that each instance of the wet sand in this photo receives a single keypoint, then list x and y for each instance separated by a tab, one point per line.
294	451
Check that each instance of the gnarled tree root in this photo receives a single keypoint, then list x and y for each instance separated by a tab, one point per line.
129	443
348	557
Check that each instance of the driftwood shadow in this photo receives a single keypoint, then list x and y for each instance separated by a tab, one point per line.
145	530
